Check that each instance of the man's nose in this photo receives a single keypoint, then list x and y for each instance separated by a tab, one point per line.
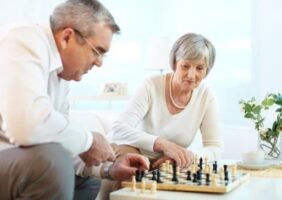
98	62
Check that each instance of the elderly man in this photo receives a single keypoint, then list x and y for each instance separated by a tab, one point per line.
37	138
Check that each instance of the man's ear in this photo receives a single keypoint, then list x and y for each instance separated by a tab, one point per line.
66	36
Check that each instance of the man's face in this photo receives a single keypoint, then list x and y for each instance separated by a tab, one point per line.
78	58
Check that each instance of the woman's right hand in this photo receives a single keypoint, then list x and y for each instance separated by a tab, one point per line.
182	156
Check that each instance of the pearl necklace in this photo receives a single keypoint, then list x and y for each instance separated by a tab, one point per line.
171	98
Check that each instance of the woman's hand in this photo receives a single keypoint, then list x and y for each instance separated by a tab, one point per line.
156	163
182	156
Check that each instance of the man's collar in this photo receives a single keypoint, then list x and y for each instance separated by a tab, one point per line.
55	61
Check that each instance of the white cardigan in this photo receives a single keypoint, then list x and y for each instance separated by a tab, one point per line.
147	117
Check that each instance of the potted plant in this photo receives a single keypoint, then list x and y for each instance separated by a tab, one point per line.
269	136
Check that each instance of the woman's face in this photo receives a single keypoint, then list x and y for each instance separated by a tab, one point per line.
189	73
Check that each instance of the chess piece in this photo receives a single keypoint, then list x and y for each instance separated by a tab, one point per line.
207	169
194	178
174	172
142	173
196	159
221	172
154	175
234	170
138	176
159	176
201	163
207	179
225	171
206	160
143	185
163	167
199	175
214	167
213	180
153	187
189	175
177	171
167	166
193	170
225	167
133	186
226	177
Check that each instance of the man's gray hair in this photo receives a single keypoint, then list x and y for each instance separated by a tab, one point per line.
81	15
192	46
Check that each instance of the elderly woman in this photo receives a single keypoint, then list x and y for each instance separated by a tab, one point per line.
166	112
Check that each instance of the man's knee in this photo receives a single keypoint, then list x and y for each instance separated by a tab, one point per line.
42	172
55	162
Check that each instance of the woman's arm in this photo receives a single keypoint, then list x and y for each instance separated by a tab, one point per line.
211	132
125	129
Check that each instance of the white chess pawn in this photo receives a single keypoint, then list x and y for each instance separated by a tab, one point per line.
213	180
193	170
177	171
167	166
221	172
196	162
207	169
234	170
133	186
154	187
143	185
163	167
206	160
170	169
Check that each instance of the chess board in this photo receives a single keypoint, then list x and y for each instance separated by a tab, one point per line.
219	185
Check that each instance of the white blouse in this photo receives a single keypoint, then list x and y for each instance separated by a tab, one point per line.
147	117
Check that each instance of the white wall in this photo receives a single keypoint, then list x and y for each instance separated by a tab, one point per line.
268	45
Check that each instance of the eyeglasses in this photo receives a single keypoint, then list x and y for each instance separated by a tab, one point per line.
95	51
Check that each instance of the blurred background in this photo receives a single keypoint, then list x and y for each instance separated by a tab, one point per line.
246	34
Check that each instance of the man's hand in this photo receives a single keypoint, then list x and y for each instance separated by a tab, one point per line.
182	156
99	152
126	165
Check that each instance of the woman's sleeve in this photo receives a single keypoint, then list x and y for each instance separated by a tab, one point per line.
125	129
211	131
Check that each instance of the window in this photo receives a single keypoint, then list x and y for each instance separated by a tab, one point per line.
226	23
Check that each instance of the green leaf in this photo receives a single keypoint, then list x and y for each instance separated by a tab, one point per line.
248	108
257	109
249	115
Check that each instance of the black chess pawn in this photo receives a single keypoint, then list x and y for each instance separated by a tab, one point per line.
174	173
159	176
214	167
154	175
226	178
142	174
225	167
199	175
201	163
138	176
208	179
225	170
189	175
194	178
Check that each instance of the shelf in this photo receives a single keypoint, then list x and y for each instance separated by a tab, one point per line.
105	97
